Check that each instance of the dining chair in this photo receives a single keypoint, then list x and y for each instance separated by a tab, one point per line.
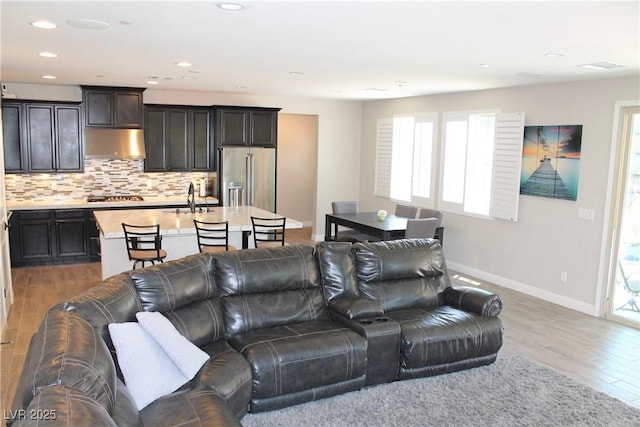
144	244
268	232
421	228
431	213
406	211
213	236
632	286
345	234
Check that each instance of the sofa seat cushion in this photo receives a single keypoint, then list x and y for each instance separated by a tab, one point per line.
301	356
439	335
228	373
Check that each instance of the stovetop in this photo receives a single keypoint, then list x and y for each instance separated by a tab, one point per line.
115	198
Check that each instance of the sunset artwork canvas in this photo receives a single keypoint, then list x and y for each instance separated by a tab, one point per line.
551	161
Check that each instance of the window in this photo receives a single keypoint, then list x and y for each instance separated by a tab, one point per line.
404	158
481	156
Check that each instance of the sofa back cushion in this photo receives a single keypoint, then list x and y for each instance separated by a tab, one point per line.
401	274
67	351
183	290
112	301
338	269
269	287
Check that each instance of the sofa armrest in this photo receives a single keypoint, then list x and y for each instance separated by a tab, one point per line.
200	406
355	307
473	300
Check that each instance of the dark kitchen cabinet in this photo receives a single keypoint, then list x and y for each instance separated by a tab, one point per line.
13	137
53	136
56	236
113	107
70	227
246	126
178	139
31	237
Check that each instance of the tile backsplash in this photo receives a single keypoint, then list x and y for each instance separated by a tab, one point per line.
110	177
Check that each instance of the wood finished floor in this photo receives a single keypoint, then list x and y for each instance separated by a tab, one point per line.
596	352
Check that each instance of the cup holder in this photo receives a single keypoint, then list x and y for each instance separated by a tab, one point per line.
372	321
382	319
366	322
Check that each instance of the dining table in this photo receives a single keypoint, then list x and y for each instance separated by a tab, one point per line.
390	228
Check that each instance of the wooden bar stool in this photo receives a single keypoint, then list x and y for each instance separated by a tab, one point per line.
268	232
213	236
144	243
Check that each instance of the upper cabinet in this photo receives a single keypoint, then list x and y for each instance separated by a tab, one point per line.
13	137
178	138
246	126
42	137
113	107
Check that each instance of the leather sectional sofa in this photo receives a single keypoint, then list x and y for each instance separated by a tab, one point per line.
280	326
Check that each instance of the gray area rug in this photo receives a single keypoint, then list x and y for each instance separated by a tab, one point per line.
514	391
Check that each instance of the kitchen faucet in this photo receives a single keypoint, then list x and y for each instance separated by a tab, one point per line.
191	198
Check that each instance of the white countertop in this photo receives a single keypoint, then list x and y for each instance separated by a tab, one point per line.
68	203
239	218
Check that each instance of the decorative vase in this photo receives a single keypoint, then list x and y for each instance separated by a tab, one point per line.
382	214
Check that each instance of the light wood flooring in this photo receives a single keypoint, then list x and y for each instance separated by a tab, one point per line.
596	352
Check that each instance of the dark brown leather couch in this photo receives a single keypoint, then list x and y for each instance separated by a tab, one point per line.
282	326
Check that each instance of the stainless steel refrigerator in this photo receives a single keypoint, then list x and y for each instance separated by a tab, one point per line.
248	173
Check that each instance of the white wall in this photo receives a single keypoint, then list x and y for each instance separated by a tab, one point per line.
548	238
297	161
339	131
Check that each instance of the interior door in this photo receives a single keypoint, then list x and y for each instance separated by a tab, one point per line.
6	296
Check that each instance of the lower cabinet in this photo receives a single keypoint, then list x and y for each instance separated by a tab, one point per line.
57	236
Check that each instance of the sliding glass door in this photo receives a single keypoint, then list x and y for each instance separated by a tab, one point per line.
624	289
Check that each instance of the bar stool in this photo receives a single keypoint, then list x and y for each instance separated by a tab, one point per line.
268	232
144	244
213	236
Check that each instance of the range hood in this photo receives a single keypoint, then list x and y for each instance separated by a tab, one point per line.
112	143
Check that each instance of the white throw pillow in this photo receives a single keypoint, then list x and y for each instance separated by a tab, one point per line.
186	355
148	371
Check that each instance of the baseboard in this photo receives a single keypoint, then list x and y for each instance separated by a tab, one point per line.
524	288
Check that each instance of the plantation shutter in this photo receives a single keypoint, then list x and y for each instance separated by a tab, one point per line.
507	165
384	148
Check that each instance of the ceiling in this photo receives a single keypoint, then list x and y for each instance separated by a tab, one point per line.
351	50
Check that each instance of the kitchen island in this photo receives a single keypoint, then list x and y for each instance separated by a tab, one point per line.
176	228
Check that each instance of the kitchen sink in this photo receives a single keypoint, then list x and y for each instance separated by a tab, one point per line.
179	211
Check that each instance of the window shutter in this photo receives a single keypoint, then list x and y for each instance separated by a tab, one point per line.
384	148
507	164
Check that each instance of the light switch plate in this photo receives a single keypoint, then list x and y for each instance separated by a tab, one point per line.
588	214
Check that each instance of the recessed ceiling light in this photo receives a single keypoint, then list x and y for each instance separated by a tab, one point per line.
45	25
528	74
231	5
375	89
194	71
606	65
88	24
48	54
296	73
48	76
401	83
184	64
187	78
241	87
554	55
485	65
152	82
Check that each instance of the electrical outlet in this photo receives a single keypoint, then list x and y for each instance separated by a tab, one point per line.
563	276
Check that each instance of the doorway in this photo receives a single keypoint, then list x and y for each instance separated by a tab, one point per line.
623	297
